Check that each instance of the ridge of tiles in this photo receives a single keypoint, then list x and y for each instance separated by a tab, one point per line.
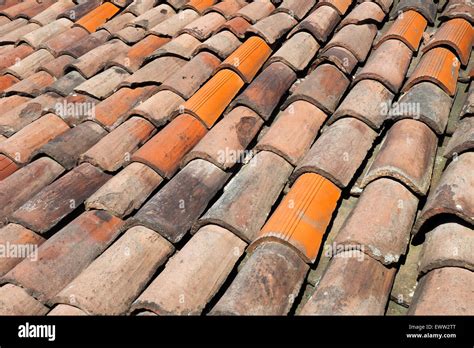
231	128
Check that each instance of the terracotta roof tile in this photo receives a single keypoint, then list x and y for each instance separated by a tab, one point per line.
228	138
153	17
130	35
16	301
339	151
203	27
26	9
365	12
65	255
118	22
448	245
366	101
7	81
208	103
255	10
13	25
221	44
126	191
113	273
453	193
66	84
28	65
104	84
397	159
20	186
114	110
14	234
237	25
65	40
458	9
248	58
182	46
438	65
266	90
138	7
191	191
165	150
355	38
445	291
116	148
427	8
293	131
75	108
171	26
47	208
408	28
388	64
57	66
159	107
52	12
272	28
17	34
340	5
434	106
200	5
84	45
226	8
295	8
187	80
462	139
32	86
7	167
456	33
241	211
40	35
297	52
63	310
12	55
353	284
196	273
272	267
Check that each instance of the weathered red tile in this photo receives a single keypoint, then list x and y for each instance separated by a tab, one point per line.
75	108
397	159
388	64
94	61
462	139
32	86
65	40
116	148
324	88
295	8
427	8
273	28
46	209
255	11
227	7
112	111
271	269
165	150
153	17
224	144
44	33
21	146
320	23
445	291
293	131
154	73
159	108
126	191
57	66
7	167
65	310
171	26
381	222
266	90
237	25
132	59
66	254
453	193
116	272
7	81
193	276
15	35
103	84
297	52
354	284
66	84
11	56
21	237
241	211
25	183
440	66
221	44
448	245
117	23
52	12
426	102
341	6
339	151
66	148
203	27
174	209
408	28
365	12
187	80
28	65
79	47
458	9
80	10
16	301
139	7
369	101
200	5
357	39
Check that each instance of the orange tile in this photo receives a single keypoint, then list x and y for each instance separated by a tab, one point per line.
7	167
340	5
302	217
210	101
6	81
200	5
408	28
456	33
165	150
248	58
438	65
98	16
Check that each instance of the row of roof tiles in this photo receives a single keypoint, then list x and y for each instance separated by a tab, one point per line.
184	75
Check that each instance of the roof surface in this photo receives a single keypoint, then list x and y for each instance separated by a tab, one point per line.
236	157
